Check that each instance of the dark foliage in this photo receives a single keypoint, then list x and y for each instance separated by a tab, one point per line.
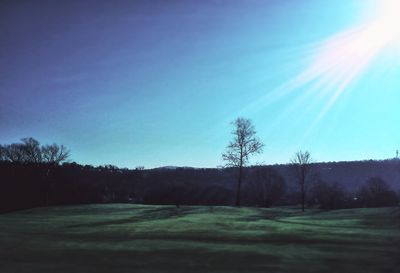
329	195
31	176
377	193
26	185
265	187
29	150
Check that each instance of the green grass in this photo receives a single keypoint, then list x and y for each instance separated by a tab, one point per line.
137	238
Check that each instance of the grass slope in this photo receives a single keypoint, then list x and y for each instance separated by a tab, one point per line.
136	238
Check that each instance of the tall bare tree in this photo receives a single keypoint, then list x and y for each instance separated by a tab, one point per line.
244	144
301	164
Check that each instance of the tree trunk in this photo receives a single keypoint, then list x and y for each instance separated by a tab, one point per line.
48	186
237	203
302	197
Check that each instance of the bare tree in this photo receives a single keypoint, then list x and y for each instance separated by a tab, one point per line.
54	154
244	144
31	151
13	152
301	164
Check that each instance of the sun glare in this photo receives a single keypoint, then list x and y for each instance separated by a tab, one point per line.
387	25
340	60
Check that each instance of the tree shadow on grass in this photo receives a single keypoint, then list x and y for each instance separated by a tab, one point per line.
282	217
145	215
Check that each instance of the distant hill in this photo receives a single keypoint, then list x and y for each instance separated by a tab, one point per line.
172	168
351	174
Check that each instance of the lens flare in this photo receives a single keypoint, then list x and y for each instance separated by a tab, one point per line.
387	25
339	61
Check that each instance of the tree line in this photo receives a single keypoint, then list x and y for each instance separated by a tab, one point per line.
375	191
34	175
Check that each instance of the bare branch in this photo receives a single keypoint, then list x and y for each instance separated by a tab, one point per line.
31	151
54	154
244	144
301	165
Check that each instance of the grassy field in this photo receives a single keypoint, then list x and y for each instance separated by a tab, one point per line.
136	238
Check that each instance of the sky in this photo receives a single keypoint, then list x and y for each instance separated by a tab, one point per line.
157	83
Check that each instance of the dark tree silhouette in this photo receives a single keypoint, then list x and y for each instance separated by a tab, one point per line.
2	153
244	144
54	154
301	165
13	152
377	193
269	185
329	196
30	151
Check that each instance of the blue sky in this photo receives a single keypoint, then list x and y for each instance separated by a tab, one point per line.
156	83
